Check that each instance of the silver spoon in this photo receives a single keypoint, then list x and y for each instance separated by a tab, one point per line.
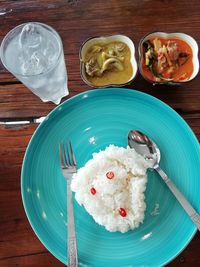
144	146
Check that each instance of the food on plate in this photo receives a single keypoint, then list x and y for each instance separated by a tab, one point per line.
111	187
108	63
167	59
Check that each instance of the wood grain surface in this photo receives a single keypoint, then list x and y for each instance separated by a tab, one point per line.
76	21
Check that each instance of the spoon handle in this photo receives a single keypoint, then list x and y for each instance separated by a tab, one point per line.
195	217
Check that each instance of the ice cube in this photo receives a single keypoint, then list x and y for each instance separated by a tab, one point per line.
38	49
36	64
50	52
30	37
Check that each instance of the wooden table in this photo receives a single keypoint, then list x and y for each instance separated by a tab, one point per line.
76	21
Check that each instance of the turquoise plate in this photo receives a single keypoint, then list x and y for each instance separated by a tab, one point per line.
93	120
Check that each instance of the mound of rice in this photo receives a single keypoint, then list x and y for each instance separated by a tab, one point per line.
111	187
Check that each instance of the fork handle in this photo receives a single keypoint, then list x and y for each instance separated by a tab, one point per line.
194	216
72	248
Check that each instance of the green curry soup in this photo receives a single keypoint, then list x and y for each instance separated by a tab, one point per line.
108	63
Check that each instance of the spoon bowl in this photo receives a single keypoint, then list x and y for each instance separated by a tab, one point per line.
144	146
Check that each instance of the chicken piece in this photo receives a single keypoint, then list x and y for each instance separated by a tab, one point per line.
116	49
163	51
162	62
173	50
92	67
108	55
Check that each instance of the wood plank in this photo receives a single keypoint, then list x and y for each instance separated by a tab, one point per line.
19	102
190	256
41	259
13	143
193	121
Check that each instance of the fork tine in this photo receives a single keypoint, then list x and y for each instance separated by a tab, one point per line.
66	155
72	154
61	156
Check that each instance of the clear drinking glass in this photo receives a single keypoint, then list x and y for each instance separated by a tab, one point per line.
33	53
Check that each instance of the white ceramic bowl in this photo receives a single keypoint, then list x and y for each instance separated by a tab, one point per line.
106	39
185	37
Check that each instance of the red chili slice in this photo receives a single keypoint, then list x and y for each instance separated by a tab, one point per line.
122	212
93	190
110	175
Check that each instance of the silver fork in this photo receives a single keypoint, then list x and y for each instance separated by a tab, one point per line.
68	165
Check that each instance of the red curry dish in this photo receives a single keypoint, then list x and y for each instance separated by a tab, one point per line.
167	59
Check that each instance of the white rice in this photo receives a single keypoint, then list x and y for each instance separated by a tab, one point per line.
125	190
